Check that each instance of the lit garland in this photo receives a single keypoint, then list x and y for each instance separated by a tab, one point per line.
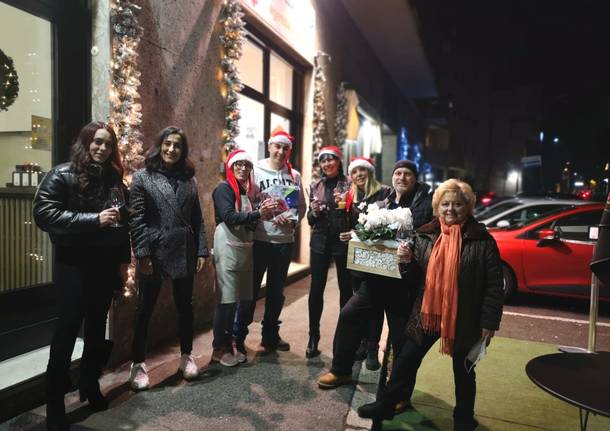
232	39
341	116
319	110
9	82
126	115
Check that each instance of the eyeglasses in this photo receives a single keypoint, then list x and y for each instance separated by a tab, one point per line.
243	165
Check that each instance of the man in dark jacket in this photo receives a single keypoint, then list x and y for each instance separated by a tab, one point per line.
385	293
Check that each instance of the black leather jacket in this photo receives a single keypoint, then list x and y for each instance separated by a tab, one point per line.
73	223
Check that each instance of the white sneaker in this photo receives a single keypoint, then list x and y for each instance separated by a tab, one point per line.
228	360
138	376
188	367
240	357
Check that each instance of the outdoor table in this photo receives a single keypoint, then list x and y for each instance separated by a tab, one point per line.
581	379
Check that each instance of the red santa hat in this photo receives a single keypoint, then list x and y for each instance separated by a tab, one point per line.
280	136
361	162
332	151
236	156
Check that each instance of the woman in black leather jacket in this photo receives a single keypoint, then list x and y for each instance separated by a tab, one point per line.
91	257
327	220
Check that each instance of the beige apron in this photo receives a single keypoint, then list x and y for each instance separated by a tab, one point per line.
233	259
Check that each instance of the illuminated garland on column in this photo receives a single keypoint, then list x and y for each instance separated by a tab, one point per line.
319	110
341	116
232	39
125	114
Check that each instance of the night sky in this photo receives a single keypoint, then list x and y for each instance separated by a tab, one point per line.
560	49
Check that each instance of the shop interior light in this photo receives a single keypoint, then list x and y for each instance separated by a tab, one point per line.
513	176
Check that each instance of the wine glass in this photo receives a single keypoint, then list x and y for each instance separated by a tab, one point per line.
404	235
342	188
117	200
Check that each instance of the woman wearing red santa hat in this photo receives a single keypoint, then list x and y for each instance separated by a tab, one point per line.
327	221
365	189
236	220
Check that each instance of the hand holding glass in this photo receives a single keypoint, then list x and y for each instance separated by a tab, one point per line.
341	190
405	242
117	200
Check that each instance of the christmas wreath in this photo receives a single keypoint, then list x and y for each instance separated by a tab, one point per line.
9	82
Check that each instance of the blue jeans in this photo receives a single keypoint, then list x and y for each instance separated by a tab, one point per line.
275	260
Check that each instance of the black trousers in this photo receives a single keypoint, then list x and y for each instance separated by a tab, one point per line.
379	294
373	335
86	293
404	374
148	292
275	260
320	262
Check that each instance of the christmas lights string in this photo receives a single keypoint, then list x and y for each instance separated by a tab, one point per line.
320	130
341	116
232	38
125	113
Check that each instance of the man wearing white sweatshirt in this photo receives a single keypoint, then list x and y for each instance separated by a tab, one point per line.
273	244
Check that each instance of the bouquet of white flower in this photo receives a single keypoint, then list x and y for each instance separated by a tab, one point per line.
381	223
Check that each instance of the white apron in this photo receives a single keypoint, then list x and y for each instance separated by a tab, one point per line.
233	259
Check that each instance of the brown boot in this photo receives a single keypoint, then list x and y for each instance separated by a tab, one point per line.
331	381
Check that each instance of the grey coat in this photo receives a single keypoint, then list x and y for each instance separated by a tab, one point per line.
167	226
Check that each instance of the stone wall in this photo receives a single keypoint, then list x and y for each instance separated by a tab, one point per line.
179	57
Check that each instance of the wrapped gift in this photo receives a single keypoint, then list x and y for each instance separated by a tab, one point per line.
375	257
287	200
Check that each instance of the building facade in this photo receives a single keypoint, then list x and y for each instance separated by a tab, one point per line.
62	53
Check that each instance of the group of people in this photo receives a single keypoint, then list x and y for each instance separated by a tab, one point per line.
451	285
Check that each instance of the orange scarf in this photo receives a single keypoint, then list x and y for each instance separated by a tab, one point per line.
440	301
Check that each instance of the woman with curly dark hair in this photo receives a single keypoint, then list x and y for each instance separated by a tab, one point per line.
91	255
169	243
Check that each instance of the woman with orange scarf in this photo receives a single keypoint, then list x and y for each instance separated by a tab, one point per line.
456	265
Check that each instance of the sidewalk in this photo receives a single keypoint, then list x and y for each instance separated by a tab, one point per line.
279	391
271	392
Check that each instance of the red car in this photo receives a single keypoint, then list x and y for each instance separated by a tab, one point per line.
551	255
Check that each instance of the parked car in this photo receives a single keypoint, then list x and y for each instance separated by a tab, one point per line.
522	210
551	255
486	200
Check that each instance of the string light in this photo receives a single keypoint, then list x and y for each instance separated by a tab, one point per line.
319	111
232	39
126	115
341	116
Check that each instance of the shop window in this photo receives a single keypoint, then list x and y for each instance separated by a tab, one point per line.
269	98
251	66
280	81
251	136
278	120
50	53
26	139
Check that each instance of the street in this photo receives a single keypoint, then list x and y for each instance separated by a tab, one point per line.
554	320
